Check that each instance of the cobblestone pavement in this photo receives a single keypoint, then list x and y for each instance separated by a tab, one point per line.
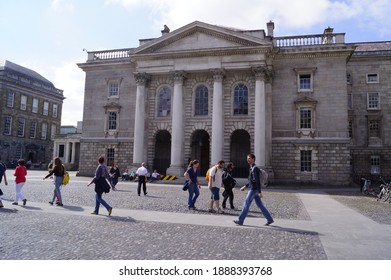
136	231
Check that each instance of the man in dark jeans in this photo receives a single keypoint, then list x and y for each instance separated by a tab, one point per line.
142	179
254	193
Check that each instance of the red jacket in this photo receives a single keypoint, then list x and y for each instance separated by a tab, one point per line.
20	174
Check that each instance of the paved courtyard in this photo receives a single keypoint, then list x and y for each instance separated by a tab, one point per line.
310	224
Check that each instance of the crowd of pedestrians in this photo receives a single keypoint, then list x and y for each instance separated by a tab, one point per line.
218	177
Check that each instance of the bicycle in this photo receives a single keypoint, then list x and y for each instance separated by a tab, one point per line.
385	192
370	189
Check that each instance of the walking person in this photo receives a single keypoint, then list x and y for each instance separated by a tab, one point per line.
142	173
254	193
3	170
191	174
214	184
229	184
101	186
20	179
58	172
114	174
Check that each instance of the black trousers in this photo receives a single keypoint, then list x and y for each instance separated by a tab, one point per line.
142	181
228	193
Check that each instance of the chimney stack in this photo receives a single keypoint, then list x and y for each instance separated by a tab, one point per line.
270	29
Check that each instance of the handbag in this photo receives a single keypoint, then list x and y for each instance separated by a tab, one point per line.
185	185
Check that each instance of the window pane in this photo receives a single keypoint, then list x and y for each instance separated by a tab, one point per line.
374	128
33	129
201	101
306	161
23	102
44	131
241	100
35	105
112	120
7	125
110	156
55	110
164	102
45	108
21	123
305	81
305	118
373	100
372	78
10	99
113	89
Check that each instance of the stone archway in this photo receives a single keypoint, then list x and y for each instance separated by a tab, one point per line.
162	157
200	147
240	148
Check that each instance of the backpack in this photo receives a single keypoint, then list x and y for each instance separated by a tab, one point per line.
265	177
207	176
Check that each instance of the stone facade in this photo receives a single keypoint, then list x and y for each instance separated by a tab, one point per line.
27	127
286	99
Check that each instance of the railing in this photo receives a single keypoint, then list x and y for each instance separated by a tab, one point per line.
309	40
109	54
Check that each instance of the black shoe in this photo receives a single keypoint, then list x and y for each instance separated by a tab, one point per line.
146	193
237	222
60	204
51	203
232	207
269	223
24	202
224	206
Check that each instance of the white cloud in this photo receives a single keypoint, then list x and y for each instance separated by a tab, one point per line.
62	5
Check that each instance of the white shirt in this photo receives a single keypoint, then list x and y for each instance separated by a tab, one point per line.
142	171
217	173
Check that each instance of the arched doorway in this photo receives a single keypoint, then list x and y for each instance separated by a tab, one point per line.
240	148
162	157
200	149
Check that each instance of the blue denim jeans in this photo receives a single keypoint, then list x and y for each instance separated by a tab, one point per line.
100	200
194	192
254	195
57	185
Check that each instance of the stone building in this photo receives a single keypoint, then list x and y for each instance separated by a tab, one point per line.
209	92
30	109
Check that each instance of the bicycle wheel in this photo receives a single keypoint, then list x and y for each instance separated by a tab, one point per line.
387	195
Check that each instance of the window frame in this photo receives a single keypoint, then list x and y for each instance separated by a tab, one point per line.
374	133
113	93
7	125
33	129
45	109
23	102
168	102
369	77
369	100
55	110
21	127
112	125
53	130
306	161
375	163
242	108
35	107
110	156
201	103
44	131
301	72
10	101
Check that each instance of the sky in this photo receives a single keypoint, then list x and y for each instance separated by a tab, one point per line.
50	36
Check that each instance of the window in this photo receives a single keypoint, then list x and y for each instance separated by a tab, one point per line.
201	101
18	152
164	102
110	156
373	101
45	108
55	111
35	105
21	124
350	101
10	99
305	118
7	125
374	128
112	121
372	78
61	151
375	164
348	78
350	129
44	131
305	81
33	129
306	161
113	89
53	132
241	100
23	102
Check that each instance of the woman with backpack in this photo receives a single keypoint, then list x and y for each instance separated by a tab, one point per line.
191	174
58	172
229	183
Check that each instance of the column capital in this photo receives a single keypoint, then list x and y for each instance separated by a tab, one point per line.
263	73
141	78
218	74
178	76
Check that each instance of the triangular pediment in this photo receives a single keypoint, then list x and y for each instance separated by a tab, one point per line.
199	36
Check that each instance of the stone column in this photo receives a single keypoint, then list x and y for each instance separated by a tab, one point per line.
67	151
139	120
260	116
176	166
73	152
217	117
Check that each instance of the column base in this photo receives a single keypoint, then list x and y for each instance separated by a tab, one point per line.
177	171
